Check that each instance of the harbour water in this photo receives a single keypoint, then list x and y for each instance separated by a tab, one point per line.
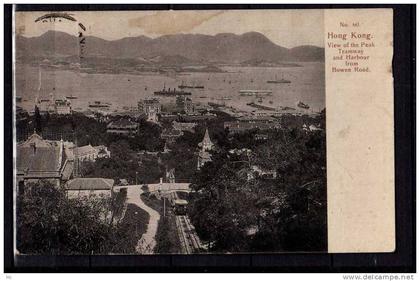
125	90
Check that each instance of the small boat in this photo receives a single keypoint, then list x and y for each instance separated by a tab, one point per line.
302	105
98	104
260	106
279	81
254	92
71	97
270	102
18	99
182	86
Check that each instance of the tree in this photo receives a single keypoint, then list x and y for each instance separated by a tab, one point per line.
288	213
50	223
38	120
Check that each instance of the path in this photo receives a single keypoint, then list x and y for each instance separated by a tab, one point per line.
147	242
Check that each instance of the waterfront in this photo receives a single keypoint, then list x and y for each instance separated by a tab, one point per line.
122	90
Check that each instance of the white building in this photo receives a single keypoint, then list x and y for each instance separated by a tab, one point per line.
150	107
205	147
88	187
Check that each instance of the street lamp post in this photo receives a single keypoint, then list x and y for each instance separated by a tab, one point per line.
136	222
136	177
164	206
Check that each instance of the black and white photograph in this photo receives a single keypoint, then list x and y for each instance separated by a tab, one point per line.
169	132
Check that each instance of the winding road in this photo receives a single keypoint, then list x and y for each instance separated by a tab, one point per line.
147	242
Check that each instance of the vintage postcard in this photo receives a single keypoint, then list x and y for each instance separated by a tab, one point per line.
203	131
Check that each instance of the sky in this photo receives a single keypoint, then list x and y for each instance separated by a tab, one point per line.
287	28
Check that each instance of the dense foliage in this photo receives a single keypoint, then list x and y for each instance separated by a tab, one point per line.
233	208
288	213
125	164
85	130
50	223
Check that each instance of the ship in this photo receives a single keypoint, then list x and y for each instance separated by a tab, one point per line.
71	97
302	105
279	81
286	108
182	86
260	106
99	104
255	92
170	93
216	104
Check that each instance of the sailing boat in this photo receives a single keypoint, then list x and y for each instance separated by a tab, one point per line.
71	97
37	100
279	81
302	105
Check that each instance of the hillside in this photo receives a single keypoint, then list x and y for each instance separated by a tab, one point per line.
179	49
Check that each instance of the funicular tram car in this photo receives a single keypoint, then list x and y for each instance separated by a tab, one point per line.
180	207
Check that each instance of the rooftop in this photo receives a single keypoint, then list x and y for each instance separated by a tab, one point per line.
82	150
171	132
38	159
122	123
90	184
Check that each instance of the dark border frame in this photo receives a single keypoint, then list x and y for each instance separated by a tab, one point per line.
403	260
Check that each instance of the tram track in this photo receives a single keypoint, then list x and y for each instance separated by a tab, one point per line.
190	242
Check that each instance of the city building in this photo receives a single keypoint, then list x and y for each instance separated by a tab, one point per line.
197	117
88	153
86	187
151	108
91	153
39	159
205	146
245	124
21	114
62	106
122	127
52	105
259	172
184	126
260	137
170	134
170	175
102	151
85	153
185	104
167	117
311	128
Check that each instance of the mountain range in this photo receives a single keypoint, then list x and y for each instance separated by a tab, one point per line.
180	48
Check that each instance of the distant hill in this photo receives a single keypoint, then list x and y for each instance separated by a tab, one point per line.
307	53
176	49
